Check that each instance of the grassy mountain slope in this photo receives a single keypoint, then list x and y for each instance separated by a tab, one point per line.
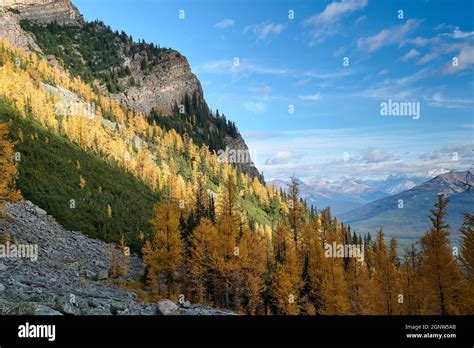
49	177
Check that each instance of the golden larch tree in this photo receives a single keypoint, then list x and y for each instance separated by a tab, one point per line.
164	254
252	265
467	258
8	168
203	255
442	277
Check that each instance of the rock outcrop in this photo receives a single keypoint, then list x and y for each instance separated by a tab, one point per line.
69	274
167	307
45	11
11	30
167	83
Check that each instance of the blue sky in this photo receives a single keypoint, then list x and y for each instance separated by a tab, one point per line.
337	129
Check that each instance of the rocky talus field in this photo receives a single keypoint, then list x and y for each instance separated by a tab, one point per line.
71	273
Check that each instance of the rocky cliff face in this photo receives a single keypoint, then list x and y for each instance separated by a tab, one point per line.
45	11
238	144
69	274
165	84
11	30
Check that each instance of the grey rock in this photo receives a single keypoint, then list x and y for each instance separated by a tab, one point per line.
69	308
185	304
166	307
44	310
88	274
73	257
46	11
40	212
103	274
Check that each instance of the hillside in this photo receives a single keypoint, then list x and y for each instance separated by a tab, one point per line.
106	170
409	222
99	162
141	76
68	263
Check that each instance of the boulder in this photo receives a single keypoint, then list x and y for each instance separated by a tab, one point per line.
40	212
166	307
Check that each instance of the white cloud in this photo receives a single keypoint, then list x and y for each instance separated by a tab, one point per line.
419	41
464	151
321	151
376	155
439	100
360	19
259	134
331	75
428	57
457	33
340	51
399	88
280	157
302	82
326	24
227	66
439	49
262	90
225	23
255	107
410	79
387	36
465	60
443	26
336	11
313	97
263	30
410	55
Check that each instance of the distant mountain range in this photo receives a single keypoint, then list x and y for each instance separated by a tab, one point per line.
405	214
347	194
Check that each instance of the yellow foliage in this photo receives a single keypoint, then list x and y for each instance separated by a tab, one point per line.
8	169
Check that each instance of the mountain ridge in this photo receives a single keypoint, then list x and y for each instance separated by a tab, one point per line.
402	214
348	193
